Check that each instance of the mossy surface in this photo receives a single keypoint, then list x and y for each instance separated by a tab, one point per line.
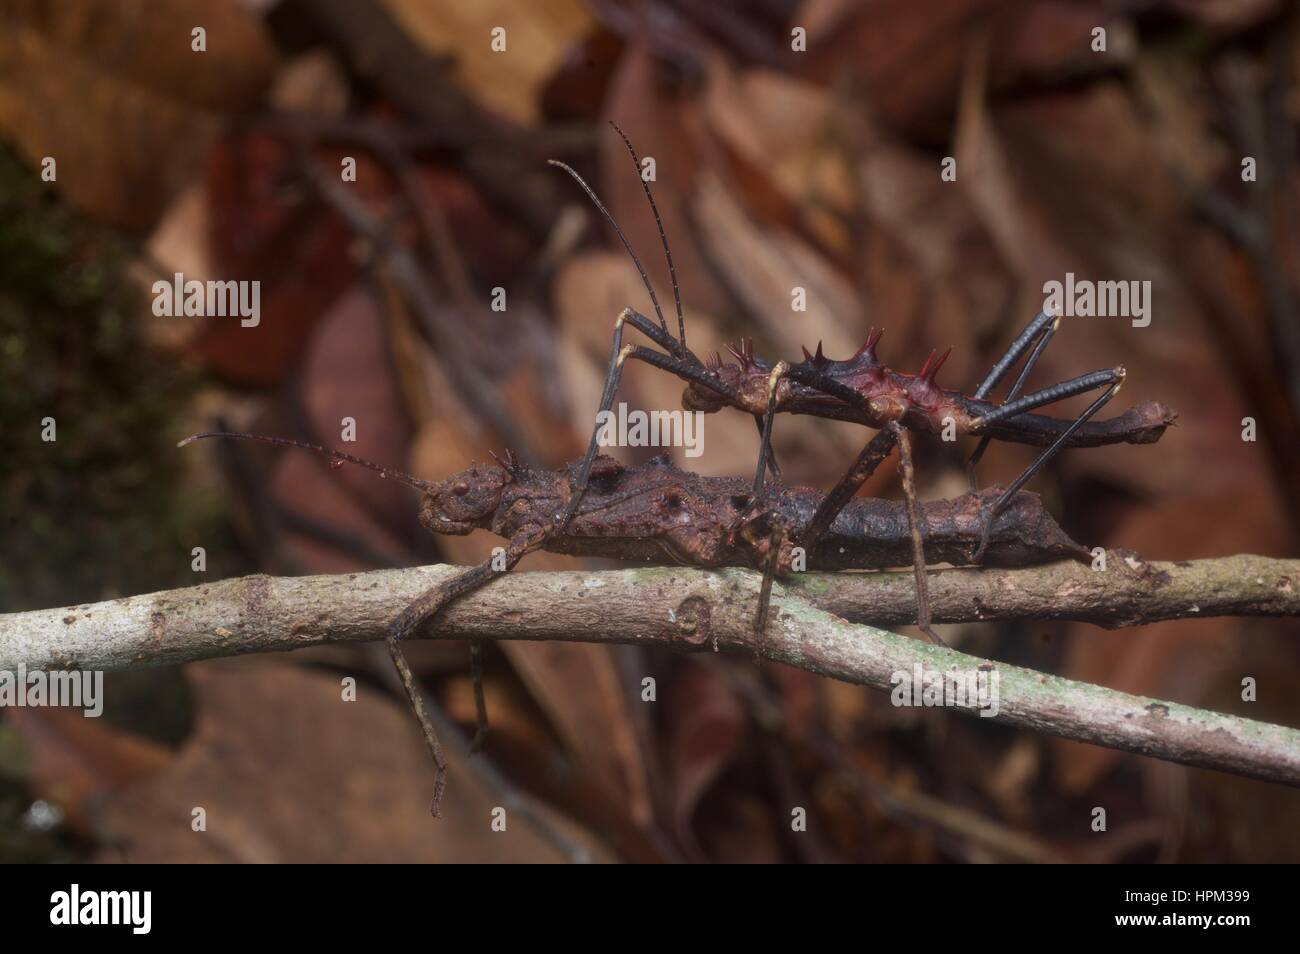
100	511
97	512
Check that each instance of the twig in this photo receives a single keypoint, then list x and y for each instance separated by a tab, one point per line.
693	610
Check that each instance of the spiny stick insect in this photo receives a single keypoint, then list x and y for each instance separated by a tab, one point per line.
656	512
863	390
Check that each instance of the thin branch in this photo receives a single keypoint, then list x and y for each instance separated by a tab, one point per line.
698	610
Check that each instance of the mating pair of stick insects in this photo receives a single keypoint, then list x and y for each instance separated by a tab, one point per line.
859	389
862	390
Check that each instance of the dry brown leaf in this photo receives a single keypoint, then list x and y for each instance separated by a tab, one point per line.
908	57
148	43
747	835
178	244
302	254
545	430
76	761
304	484
286	771
779	128
581	690
114	94
510	82
705	726
545	764
764	267
314	82
348	373
121	151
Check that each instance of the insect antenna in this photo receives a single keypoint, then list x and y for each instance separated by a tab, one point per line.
595	199
337	456
663	238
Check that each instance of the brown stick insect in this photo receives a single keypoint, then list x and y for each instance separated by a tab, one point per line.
659	513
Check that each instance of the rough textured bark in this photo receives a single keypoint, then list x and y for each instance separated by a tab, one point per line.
698	610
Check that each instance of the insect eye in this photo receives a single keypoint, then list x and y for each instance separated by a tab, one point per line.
460	488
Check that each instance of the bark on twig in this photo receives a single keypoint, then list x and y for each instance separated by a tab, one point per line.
694	610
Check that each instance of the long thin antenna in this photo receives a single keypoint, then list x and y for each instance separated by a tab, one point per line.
339	456
591	194
663	239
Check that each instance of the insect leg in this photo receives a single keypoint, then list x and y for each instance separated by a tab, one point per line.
917	528
1042	328
777	533
1050	395
871	457
776	537
652	331
772	465
619	355
420	612
426	726
765	429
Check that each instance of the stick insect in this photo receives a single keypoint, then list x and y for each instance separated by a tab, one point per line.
861	389
658	513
